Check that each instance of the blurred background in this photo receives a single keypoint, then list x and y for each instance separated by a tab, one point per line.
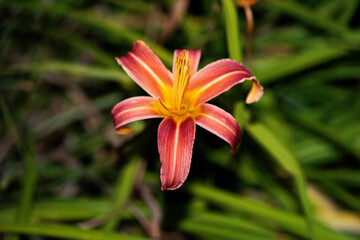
66	174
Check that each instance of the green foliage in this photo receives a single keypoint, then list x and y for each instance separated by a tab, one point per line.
64	173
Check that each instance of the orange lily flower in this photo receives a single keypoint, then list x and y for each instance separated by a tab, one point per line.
179	97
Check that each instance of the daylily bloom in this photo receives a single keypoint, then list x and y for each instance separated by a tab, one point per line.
179	97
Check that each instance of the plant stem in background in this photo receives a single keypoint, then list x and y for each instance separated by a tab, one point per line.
246	4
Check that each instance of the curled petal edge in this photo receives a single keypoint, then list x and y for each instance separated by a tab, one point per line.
216	78
256	91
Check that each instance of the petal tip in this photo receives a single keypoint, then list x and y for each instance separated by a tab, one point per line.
118	60
169	188
124	130
175	143
235	144
255	93
139	44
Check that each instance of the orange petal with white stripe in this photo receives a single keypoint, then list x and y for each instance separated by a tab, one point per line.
132	109
175	143
217	78
219	122
193	57
146	69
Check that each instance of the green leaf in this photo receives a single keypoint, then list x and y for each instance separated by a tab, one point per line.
323	131
288	221
26	151
75	69
71	115
232	29
274	147
241	224
277	69
62	231
300	11
286	159
205	230
123	189
109	29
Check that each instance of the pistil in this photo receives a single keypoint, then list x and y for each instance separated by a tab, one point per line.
181	81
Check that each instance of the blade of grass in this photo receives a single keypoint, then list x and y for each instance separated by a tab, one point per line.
28	184
275	148
27	154
232	29
345	176
62	231
113	32
232	222
348	13
204	230
291	222
63	210
287	160
275	70
84	45
66	117
123	189
342	195
329	8
72	68
324	132
339	73
298	10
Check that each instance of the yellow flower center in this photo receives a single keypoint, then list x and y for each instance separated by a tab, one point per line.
175	104
181	80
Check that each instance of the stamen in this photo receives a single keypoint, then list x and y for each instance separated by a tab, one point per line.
163	105
181	79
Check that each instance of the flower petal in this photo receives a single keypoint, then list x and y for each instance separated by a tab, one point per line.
175	143
132	109
194	59
146	69
219	122
217	78
255	93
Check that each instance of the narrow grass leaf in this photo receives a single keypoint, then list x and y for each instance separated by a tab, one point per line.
62	231
123	189
232	222
205	230
79	70
232	29
277	69
274	147
286	159
63	210
26	151
298	10
109	29
71	115
290	222
324	132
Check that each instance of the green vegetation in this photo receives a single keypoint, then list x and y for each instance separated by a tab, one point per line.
66	174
